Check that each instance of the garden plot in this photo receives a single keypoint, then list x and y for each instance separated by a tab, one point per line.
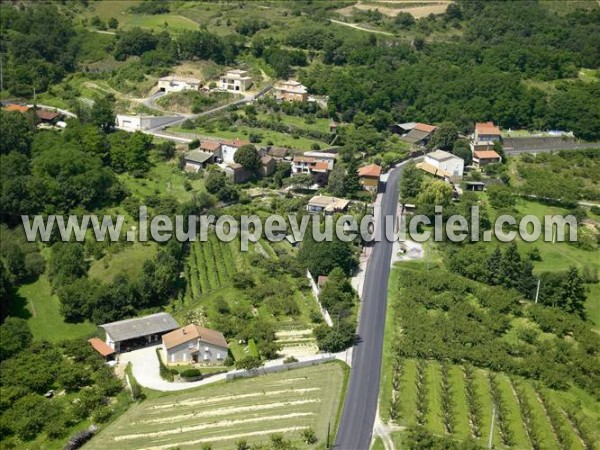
250	409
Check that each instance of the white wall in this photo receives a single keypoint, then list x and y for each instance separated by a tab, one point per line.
227	153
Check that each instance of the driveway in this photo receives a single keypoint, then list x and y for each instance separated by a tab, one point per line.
146	370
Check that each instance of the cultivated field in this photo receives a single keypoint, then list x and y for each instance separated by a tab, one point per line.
392	8
252	410
458	401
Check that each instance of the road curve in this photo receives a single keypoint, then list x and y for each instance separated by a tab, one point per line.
360	406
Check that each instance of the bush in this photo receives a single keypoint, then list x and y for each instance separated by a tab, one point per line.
248	363
290	359
165	373
191	373
102	415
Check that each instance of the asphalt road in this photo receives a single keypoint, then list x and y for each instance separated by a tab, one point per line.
360	406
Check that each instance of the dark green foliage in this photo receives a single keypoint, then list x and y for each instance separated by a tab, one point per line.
337	295
165	373
191	373
134	42
322	257
248	363
410	183
337	338
501	197
501	412
39	47
15	336
418	438
248	157
102	114
129	152
151	7
564	290
16	132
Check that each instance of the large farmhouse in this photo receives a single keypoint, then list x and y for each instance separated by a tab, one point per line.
129	334
193	343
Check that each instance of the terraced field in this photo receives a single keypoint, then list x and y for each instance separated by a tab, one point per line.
526	415
221	415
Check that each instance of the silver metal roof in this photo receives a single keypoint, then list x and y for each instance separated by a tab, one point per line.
123	330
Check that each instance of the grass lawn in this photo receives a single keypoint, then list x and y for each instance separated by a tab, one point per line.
242	132
321	125
128	262
162	179
36	303
221	414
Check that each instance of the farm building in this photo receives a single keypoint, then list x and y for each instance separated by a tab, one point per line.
125	335
267	165
444	165
290	91
108	353
369	177
196	160
141	123
415	133
328	205
235	80
310	162
236	173
193	343
174	83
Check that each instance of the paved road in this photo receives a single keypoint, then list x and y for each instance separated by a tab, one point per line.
567	146
360	407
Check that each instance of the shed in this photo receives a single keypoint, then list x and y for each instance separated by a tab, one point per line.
128	334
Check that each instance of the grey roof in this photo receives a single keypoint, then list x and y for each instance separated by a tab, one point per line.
198	156
407	125
140	326
414	136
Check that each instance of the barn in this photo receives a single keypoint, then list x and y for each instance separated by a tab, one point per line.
125	335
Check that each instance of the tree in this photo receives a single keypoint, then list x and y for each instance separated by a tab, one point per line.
410	182
129	152
337	338
336	184
102	114
112	23
337	295
15	336
436	192
166	150
444	136
501	196
352	181
462	149
215	181
16	132
67	263
322	257
248	157
248	363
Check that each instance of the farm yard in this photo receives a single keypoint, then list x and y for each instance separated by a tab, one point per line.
392	8
252	410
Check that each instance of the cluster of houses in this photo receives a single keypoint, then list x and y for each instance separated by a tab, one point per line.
188	344
445	165
222	153
47	118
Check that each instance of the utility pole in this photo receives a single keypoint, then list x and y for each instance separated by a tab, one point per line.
491	440
428	250
537	292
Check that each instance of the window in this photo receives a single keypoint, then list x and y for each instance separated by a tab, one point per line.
190	345
205	357
219	356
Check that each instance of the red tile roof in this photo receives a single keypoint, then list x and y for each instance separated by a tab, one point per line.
15	107
321	280
486	154
424	127
320	166
101	347
210	146
372	170
193	332
46	115
235	143
487	128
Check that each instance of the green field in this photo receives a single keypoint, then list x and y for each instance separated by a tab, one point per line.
127	262
540	423
222	414
36	303
278	139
